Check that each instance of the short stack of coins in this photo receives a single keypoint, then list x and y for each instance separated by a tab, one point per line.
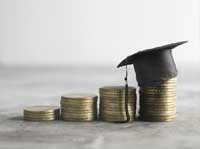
112	103
41	113
158	103
79	107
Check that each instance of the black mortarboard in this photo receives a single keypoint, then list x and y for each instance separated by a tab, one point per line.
153	65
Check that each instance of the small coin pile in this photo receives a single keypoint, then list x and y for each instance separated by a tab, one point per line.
41	113
79	107
112	103
158	103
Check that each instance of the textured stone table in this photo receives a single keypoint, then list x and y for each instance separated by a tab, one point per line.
21	87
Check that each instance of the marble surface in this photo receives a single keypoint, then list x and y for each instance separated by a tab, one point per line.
25	86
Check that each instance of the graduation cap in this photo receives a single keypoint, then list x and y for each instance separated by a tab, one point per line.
153	65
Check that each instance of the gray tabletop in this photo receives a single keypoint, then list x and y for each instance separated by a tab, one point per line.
25	86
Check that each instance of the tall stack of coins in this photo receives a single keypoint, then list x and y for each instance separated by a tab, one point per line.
158	103
41	113
112	103
79	107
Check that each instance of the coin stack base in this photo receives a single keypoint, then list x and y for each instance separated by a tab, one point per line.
112	103
79	107
41	113
158	103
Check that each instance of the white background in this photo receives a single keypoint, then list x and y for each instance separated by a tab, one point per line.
65	32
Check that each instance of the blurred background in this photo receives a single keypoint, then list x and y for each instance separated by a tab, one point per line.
93	32
51	47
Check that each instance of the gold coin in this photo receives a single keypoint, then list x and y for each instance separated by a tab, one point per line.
117	103
163	113
77	101
115	119
42	114
170	80
30	114
77	115
158	118
79	105
158	90
79	112
41	109
157	100
116	94
79	119
103	107
33	116
160	87
169	116
119	97
115	115
157	110
78	109
83	96
154	103
164	84
112	107
40	119
165	105
107	102
116	112
167	86
158	95
157	107
116	88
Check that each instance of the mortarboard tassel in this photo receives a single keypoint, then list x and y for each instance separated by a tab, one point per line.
126	96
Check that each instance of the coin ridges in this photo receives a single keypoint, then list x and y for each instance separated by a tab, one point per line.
158	103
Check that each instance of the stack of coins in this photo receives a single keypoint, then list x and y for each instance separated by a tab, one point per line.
112	103
158	103
41	113
79	107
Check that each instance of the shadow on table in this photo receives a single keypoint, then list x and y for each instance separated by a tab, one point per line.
17	118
